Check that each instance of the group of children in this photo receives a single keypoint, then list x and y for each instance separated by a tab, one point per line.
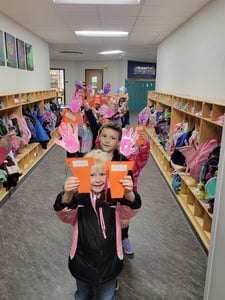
100	228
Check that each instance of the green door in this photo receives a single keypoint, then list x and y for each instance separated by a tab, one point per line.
138	93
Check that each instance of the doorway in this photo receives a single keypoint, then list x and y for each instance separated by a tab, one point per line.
94	78
57	82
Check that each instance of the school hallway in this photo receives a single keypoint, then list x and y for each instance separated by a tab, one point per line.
168	262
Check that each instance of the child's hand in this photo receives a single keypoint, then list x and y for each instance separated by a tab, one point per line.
144	136
86	105
71	185
128	185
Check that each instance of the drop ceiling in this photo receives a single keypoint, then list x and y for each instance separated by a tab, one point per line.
148	23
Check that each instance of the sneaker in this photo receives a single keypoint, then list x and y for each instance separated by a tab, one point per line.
117	285
127	246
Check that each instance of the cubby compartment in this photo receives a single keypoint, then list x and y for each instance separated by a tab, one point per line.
3	102
218	114
207	110
178	102
198	108
209	130
191	106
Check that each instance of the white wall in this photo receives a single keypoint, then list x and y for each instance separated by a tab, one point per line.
191	61
116	74
13	80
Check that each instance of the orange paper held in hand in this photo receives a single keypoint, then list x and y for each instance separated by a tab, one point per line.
70	117
105	120
140	129
81	169
97	98
117	170
104	100
91	101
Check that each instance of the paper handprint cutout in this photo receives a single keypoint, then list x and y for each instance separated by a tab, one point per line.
69	137
106	111
128	141
75	103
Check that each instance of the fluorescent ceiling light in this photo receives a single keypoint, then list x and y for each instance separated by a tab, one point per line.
99	2
101	33
111	52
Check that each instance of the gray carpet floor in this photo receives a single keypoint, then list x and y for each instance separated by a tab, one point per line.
168	263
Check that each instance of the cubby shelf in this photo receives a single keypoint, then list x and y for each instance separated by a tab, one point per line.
204	114
29	155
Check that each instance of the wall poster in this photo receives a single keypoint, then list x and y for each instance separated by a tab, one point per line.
21	57
2	53
10	47
29	57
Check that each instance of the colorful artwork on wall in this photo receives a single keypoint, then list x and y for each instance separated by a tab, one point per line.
29	57
21	57
141	70
10	46
2	53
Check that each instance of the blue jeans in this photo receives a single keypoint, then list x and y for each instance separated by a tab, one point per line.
85	291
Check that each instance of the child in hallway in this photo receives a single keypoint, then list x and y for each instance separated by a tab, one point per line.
113	132
139	161
96	256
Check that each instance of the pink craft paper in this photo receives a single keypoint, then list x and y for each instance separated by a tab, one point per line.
75	103
117	170
129	139
81	169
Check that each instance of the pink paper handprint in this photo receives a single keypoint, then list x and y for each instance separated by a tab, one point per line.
143	117
69	137
106	111
75	103
128	141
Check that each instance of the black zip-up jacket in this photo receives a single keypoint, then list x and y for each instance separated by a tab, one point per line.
94	253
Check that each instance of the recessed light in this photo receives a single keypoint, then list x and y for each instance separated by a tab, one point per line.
99	2
101	33
71	52
112	52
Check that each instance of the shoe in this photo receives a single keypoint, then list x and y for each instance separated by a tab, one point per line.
127	246
117	285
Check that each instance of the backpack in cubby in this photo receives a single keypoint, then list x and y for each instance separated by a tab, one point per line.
21	129
199	158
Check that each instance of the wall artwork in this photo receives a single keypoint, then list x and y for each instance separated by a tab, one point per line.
21	57
141	70
2	53
29	57
10	47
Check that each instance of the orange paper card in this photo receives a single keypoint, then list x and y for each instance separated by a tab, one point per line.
139	128
70	117
117	170
104	100
81	169
97	98
91	101
105	120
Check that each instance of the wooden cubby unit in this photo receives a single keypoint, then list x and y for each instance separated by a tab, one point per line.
29	155
199	113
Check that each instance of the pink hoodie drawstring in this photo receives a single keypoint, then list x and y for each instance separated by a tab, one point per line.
95	196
